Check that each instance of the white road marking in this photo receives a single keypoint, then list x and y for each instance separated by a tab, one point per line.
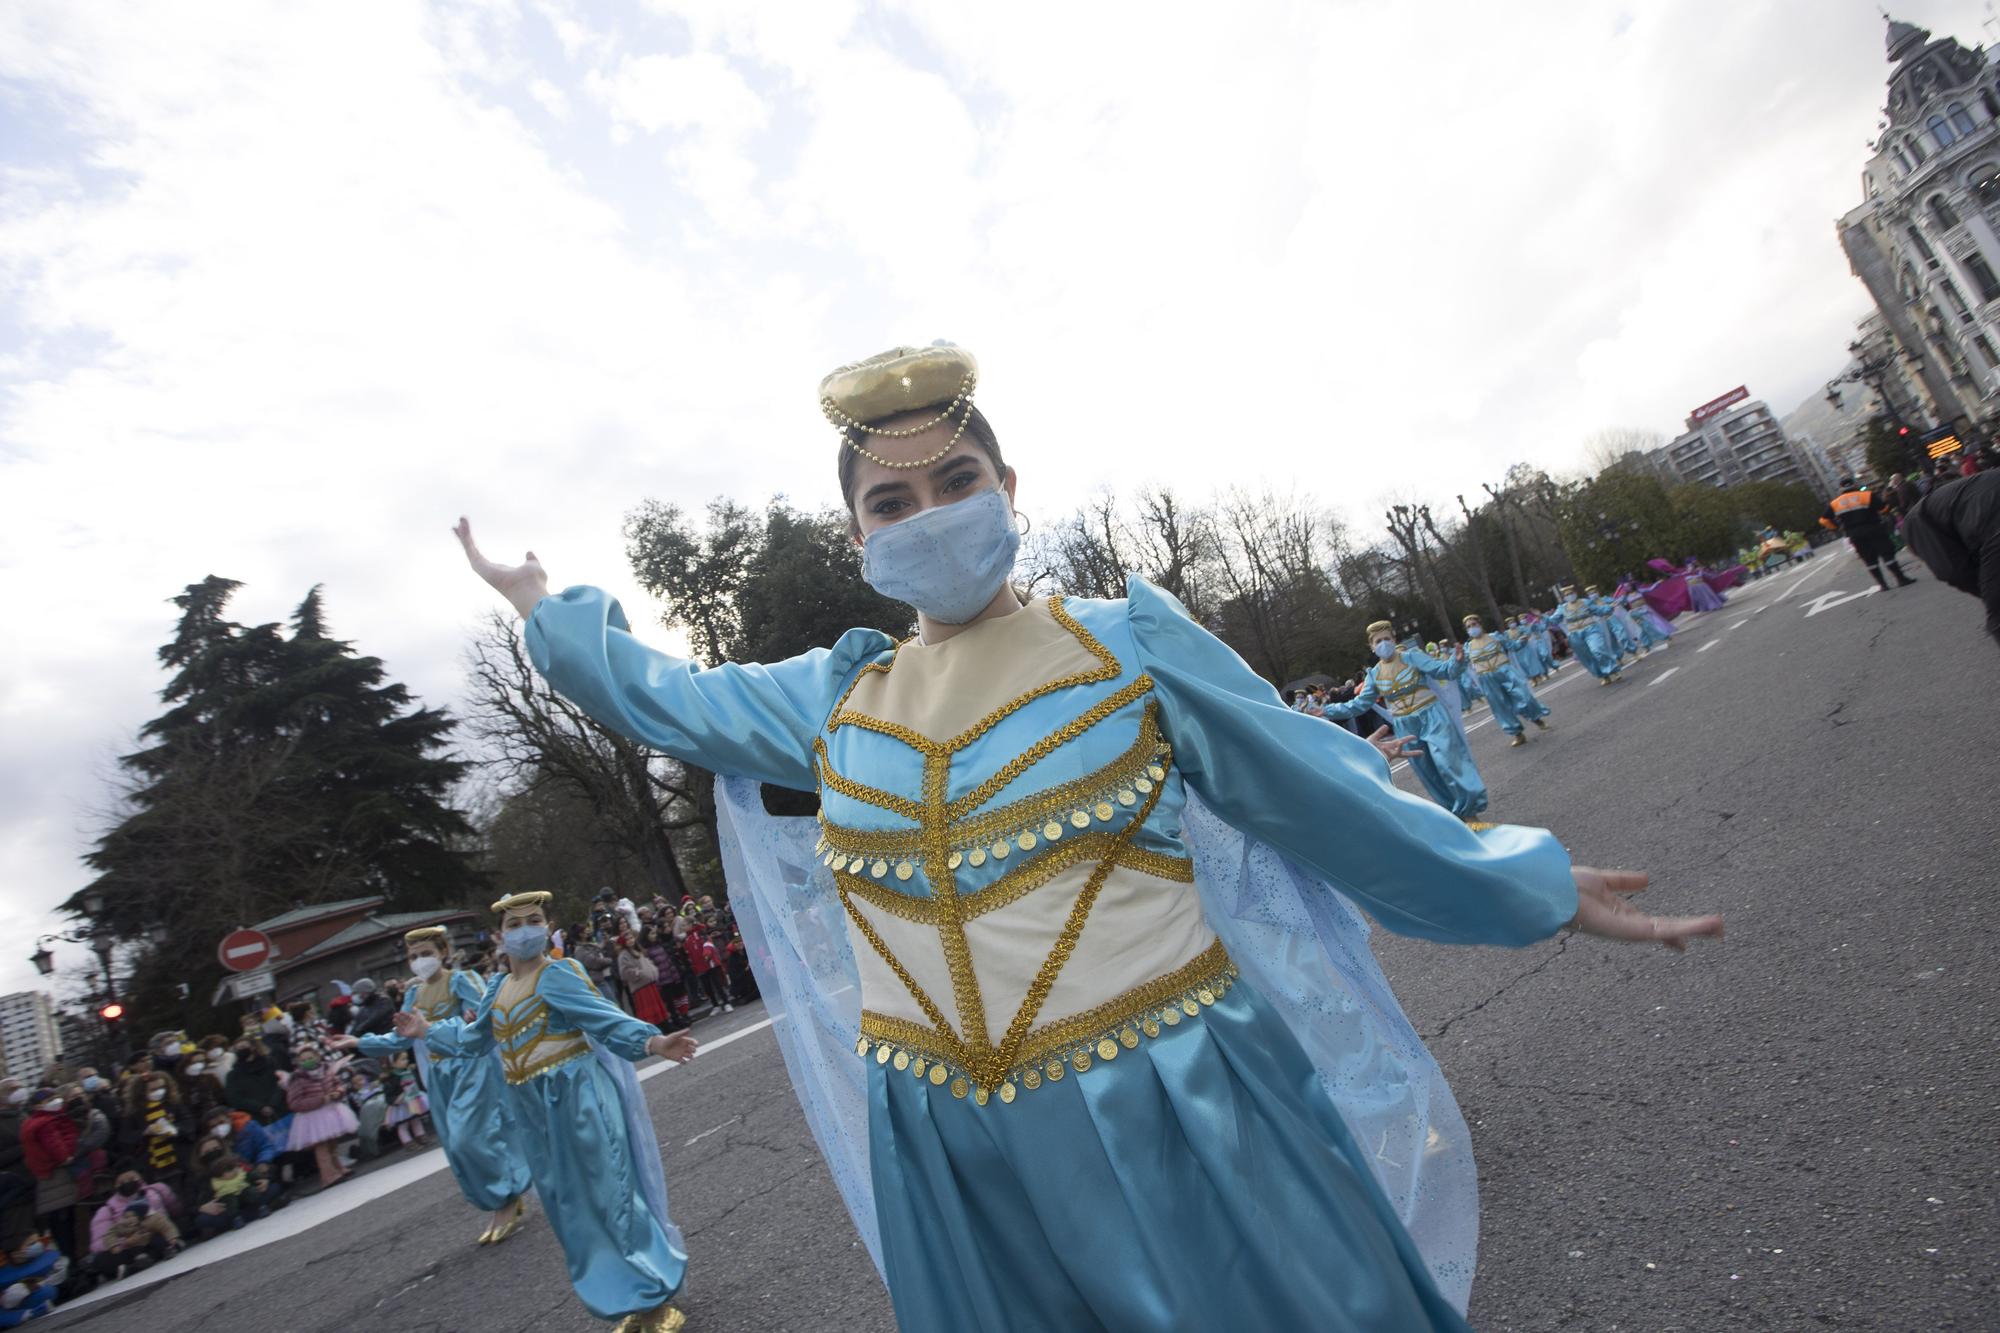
706	1132
1662	676
1820	566
1706	646
1826	601
1760	610
1741	623
310	1211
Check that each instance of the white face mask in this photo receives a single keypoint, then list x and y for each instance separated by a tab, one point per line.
220	1131
425	966
196	1069
156	1095
18	1097
52	1104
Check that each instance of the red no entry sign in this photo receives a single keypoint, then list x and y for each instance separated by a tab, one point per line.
244	950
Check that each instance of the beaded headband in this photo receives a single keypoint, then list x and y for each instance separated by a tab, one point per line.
1380	627
512	901
423	933
902	379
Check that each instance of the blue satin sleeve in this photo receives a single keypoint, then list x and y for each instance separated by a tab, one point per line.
1323	797
469	987
746	719
568	991
388	1043
1363	699
467	1036
1437	668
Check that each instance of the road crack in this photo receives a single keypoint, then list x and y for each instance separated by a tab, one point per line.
1562	947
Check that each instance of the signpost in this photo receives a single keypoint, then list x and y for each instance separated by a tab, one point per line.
245	950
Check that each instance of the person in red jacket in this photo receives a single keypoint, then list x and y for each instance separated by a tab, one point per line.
49	1139
706	971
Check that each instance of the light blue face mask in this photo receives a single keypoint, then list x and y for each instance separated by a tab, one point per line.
948	562
525	942
1384	649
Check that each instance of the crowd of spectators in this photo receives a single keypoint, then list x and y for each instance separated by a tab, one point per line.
105	1175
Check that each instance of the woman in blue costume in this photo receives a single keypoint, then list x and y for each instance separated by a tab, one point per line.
1405	683
1071	904
466	1092
1545	653
577	1117
1501	682
1652	630
1589	640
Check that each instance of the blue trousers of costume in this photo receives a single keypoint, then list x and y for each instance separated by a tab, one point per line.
1445	767
1512	701
1588	646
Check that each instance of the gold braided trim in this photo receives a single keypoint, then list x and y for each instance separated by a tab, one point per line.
1022	879
944	885
1413	709
855	791
1107	668
1045	816
518	1073
1059	955
1047	745
1073	1043
907	906
917	992
520	1017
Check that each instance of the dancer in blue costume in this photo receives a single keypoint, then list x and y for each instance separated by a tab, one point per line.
1622	635
1116	1057
1405	682
1587	636
1538	639
1653	631
467	1093
1506	690
577	1117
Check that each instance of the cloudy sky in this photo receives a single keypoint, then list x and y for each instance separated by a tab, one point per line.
285	288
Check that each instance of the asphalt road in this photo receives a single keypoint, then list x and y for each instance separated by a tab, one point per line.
1795	1128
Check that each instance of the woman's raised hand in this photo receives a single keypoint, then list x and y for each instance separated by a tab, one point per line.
411	1024
1602	909
523	585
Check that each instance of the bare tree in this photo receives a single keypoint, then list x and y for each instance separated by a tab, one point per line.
536	739
1084	554
1177	545
1614	444
1407	524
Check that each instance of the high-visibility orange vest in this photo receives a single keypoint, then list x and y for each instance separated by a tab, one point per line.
1848	501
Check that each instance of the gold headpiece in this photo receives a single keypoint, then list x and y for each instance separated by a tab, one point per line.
1380	627
516	900
1475	616
902	379
437	934
1589	590
1569	590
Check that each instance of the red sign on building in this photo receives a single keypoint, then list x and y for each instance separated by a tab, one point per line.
1716	405
244	950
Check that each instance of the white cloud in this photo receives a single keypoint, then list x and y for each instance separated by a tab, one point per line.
288	287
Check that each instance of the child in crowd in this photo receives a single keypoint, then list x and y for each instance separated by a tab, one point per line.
407	1103
320	1114
30	1271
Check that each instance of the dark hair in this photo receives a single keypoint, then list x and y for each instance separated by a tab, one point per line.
977	429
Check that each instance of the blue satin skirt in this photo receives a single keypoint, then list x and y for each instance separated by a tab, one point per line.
571	1130
469	1112
1512	701
1445	767
1201	1180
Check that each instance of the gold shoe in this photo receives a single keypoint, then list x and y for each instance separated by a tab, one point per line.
665	1319
513	1224
1518	739
486	1236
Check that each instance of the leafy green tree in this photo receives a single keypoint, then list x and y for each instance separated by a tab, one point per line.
287	769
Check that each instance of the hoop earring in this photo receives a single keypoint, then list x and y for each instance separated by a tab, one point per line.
1022	522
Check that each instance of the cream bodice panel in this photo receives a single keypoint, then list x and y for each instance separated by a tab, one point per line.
1002	819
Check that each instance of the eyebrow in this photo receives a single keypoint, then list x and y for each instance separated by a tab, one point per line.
884	487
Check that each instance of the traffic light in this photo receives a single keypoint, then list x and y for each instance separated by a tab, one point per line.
112	1013
1902	430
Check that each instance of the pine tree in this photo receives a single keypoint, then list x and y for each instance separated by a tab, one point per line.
286	769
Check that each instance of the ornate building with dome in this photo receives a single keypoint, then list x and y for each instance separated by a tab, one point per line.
1926	239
